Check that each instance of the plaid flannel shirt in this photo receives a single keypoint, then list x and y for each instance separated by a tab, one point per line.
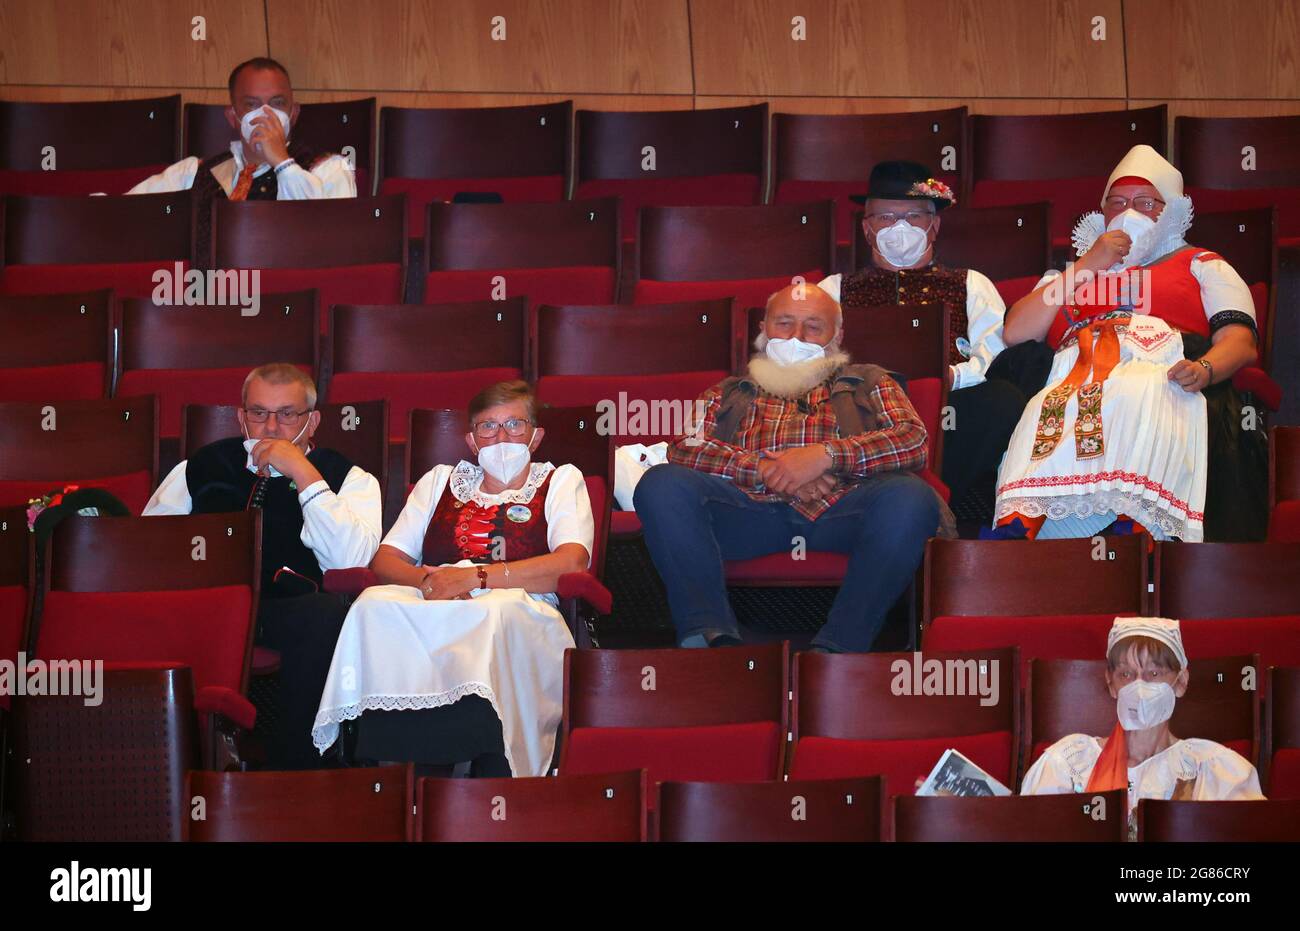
775	424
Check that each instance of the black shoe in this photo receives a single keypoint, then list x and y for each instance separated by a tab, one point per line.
726	640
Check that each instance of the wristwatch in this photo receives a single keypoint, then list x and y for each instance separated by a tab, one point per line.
482	576
1205	364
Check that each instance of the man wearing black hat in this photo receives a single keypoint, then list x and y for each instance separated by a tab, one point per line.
901	224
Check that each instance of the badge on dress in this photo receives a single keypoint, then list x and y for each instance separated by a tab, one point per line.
519	514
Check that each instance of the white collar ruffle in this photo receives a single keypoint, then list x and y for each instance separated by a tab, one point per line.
1167	235
467	478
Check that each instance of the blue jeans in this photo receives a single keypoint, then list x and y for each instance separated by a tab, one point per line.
693	521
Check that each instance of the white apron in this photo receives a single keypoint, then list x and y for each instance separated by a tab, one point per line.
398	652
1154	462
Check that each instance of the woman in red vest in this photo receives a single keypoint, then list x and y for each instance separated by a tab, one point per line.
460	656
1142	323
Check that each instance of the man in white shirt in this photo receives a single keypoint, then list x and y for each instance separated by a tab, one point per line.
263	164
901	224
319	512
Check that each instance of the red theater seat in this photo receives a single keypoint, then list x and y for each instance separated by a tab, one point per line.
350	250
1070	697
57	245
689	253
85	147
202	354
97	444
712	715
1050	598
809	811
392	352
817	156
1211	154
1023	819
858	715
1284	484
65	348
1064	158
1219	822
1259	612
366	804
606	808
713	156
15	559
1282	755
523	154
561	253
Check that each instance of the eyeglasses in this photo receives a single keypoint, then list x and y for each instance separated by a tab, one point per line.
285	416
880	221
486	429
1144	203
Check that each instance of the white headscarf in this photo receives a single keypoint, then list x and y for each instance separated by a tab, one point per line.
1162	629
1169	230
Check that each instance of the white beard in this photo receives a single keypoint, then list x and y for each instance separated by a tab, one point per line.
794	381
1160	240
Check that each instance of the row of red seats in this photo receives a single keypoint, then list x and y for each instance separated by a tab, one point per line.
729	155
981	599
353	252
132	751
621	807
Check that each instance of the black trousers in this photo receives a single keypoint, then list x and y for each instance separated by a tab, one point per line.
304	629
465	731
985	416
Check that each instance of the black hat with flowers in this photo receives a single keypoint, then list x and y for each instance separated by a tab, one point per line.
905	181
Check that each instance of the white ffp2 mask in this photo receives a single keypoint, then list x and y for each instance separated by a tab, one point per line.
902	244
1142	705
504	461
793	351
246	126
1135	225
249	443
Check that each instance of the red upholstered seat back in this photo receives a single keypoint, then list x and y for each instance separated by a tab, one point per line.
373	283
406	391
72	183
720	753
132	488
1286	199
1284	522
1284	773
420	192
126	279
74	381
13	626
177	387
672	192
204	628
582	284
1062	636
1013	289
901	762
748	292
1070	199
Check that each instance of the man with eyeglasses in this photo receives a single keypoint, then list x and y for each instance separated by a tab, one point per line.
319	512
901	224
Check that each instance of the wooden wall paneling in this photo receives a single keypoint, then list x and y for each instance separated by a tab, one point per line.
1213	48
556	46
127	43
951	48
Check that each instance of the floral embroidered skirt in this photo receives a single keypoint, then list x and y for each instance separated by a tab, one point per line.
397	651
1139	448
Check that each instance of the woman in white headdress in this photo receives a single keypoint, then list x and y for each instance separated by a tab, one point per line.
1146	673
1142	323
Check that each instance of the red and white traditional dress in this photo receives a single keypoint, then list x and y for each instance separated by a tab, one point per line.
1110	434
397	651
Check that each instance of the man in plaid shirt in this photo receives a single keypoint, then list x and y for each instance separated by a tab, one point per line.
769	470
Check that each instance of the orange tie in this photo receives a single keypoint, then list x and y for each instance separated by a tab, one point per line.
243	183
